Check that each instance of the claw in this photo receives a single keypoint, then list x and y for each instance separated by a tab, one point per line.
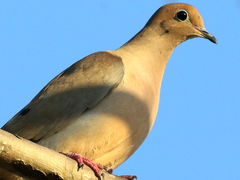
97	168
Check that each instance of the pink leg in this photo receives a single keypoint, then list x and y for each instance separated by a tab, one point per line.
97	168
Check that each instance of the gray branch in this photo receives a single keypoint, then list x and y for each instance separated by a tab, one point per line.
21	159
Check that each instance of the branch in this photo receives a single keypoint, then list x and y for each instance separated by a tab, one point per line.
32	161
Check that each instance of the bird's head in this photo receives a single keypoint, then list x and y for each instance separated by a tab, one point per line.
180	21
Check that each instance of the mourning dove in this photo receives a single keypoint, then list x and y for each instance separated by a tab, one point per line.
104	105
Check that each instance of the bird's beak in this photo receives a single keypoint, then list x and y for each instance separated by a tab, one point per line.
205	34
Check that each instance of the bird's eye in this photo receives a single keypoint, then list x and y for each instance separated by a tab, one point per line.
181	15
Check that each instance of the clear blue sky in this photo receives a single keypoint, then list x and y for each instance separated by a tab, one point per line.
197	132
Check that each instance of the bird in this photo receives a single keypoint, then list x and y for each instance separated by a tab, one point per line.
102	107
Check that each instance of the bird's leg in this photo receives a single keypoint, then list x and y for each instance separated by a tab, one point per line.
97	168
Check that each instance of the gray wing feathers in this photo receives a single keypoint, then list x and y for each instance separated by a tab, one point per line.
78	88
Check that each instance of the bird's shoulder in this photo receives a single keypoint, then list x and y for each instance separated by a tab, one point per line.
100	68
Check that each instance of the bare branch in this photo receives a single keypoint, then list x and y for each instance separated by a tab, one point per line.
32	161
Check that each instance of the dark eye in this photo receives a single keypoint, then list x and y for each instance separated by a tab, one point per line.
182	15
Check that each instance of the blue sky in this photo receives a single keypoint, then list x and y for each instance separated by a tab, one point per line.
196	134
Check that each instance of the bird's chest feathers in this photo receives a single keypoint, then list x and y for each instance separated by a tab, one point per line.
143	80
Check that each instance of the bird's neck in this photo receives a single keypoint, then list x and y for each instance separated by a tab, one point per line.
150	50
150	45
148	53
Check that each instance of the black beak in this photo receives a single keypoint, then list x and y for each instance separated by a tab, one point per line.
207	35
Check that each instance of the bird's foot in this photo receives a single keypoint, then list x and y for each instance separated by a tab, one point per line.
97	168
128	177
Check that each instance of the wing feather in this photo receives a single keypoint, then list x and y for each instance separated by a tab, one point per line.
80	87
